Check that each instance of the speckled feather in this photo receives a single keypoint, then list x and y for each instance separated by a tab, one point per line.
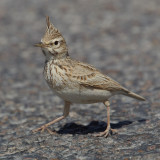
72	80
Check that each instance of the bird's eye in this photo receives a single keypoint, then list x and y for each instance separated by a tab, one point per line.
56	42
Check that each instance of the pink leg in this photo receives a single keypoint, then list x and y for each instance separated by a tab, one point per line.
108	129
65	114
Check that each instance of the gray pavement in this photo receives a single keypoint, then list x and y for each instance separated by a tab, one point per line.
121	38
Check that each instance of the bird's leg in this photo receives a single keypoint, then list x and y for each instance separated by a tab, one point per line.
65	114
108	129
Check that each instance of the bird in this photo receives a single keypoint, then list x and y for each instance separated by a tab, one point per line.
74	81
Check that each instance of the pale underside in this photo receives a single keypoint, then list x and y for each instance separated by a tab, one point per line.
78	82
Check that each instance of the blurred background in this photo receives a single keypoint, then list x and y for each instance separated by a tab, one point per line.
119	37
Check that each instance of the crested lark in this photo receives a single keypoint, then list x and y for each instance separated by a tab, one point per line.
74	81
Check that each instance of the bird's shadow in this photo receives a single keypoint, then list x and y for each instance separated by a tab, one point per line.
93	127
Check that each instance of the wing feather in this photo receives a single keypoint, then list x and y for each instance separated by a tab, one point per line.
88	76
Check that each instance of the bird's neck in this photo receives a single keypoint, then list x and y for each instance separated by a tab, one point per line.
54	56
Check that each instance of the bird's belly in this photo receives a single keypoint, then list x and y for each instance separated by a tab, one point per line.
85	96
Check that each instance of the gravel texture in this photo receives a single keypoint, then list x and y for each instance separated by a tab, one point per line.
121	38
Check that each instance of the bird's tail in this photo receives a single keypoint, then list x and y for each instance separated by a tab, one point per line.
134	95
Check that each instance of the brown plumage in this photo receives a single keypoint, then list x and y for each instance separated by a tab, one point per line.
74	81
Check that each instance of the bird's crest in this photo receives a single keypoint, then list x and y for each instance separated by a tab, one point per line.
51	31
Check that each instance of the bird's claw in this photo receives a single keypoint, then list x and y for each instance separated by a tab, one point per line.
42	129
107	132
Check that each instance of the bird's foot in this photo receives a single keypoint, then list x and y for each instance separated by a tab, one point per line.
42	129
107	132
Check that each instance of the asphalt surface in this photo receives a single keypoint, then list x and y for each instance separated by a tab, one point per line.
121	38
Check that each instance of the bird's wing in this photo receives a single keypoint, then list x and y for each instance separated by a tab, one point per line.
88	76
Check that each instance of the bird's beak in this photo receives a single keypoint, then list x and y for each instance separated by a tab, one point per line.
40	44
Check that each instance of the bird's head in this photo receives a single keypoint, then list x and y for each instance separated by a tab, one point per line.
53	44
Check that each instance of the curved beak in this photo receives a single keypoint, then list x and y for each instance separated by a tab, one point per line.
40	44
